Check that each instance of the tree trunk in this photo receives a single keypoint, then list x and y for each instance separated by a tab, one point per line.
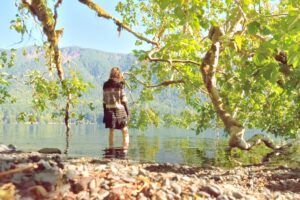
208	70
40	10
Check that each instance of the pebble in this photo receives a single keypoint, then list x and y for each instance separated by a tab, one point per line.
161	195
83	195
129	179
213	190
103	193
93	185
78	178
223	197
71	174
237	195
176	188
141	196
166	183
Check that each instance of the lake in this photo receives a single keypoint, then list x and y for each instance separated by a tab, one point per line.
160	145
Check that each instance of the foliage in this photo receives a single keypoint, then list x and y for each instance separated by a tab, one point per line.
257	86
6	61
257	74
48	95
41	95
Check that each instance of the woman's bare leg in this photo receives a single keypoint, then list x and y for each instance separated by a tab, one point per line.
125	138
111	137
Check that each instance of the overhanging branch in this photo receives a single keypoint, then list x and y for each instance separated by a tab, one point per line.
102	13
170	60
57	4
164	83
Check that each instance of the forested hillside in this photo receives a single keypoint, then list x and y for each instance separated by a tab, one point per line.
92	65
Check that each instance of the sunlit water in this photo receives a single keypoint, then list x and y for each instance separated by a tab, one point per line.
154	145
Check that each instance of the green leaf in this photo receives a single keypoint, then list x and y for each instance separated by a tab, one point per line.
238	41
271	72
253	27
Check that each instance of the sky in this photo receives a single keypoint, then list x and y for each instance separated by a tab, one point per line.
82	28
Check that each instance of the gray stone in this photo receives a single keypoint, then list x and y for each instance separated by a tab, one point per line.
64	189
7	148
83	170
50	151
46	177
186	178
237	195
100	167
222	197
170	194
44	165
161	195
143	172
93	185
247	197
83	195
141	196
128	179
212	189
176	188
17	178
166	182
154	186
194	188
134	171
27	198
71	174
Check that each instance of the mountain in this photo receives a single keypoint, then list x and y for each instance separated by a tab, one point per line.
93	65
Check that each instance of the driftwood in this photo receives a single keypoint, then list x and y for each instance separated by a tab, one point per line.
17	170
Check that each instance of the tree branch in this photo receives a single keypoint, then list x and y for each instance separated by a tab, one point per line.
102	13
40	10
241	15
170	60
58	3
17	170
164	83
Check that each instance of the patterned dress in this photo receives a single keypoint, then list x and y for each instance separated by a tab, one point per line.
114	104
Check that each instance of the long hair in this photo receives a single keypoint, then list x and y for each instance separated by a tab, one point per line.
116	73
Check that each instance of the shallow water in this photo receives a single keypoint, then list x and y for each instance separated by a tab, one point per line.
155	145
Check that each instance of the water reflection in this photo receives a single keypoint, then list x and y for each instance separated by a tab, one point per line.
115	152
155	145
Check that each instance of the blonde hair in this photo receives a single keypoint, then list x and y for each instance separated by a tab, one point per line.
116	73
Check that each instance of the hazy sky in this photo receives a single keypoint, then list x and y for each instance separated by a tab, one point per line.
81	26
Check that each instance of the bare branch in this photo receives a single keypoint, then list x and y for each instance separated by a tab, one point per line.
238	20
170	60
242	12
164	83
276	15
58	3
102	13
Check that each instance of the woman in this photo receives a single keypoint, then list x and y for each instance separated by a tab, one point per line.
115	106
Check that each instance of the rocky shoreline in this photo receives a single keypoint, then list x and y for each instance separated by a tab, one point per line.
35	175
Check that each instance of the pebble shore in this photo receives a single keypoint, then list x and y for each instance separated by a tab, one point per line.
30	176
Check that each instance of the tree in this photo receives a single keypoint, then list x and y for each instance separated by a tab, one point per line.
6	61
245	54
234	63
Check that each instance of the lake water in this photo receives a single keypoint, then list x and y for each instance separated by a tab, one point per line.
154	145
